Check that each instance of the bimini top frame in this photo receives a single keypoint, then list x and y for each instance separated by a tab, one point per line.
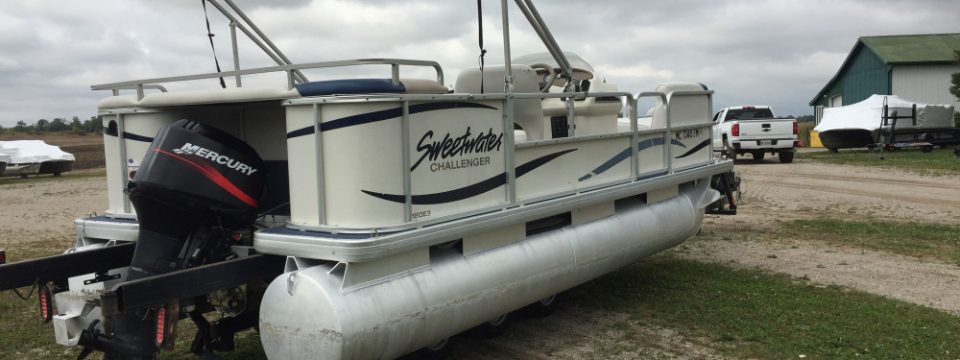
238	19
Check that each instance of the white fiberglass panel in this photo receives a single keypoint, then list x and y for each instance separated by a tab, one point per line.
361	151
691	147
133	132
569	166
302	151
650	154
456	158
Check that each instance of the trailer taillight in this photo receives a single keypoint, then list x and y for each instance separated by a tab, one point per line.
46	305
161	325
795	128
735	130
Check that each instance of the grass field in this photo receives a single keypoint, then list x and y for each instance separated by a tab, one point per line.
927	241
932	241
938	162
766	316
747	313
741	313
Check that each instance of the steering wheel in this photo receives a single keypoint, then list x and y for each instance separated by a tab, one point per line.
548	79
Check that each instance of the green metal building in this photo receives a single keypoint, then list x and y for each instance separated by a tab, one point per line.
913	67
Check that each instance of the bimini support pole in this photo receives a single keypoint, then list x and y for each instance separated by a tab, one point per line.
508	107
530	12
257	36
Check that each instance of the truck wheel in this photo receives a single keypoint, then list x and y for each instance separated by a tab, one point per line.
758	155
731	151
786	157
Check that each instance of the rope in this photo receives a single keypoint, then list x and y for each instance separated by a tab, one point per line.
210	36
482	50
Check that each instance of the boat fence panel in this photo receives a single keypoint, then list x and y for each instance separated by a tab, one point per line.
691	126
126	137
456	161
570	166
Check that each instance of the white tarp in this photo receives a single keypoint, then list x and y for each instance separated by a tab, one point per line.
32	151
866	115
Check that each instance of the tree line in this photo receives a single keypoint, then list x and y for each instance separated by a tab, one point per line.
93	125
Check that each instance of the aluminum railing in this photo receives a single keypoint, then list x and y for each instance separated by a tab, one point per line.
290	70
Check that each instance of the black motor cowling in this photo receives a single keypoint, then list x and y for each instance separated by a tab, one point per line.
205	169
192	176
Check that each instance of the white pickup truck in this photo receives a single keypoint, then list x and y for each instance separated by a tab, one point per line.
754	130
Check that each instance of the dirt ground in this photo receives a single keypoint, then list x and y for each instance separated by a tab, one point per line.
809	190
42	211
41	214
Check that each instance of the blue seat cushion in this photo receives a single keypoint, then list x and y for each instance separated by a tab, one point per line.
349	86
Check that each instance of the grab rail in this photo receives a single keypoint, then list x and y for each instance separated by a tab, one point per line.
289	69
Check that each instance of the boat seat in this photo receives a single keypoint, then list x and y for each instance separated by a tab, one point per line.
370	86
528	113
686	110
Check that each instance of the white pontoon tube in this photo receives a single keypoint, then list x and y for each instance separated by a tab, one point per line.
306	315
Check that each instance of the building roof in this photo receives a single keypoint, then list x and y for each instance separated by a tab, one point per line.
902	49
913	49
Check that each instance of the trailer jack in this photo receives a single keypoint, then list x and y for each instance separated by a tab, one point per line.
728	184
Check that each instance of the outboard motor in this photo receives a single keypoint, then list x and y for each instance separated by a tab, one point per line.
196	195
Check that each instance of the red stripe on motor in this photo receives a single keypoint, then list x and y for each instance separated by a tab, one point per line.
215	176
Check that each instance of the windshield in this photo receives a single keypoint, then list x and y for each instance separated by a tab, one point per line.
577	63
749	114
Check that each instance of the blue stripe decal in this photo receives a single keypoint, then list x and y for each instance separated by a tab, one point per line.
625	154
300	132
382	115
128	136
469	191
135	137
694	149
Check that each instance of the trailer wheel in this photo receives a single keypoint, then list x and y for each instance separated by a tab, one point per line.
491	328
786	157
926	149
758	155
544	307
440	350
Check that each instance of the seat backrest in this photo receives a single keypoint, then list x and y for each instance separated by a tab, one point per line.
527	113
685	110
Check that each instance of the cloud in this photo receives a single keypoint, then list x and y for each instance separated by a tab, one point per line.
771	52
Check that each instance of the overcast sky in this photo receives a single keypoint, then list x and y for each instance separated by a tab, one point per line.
773	52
